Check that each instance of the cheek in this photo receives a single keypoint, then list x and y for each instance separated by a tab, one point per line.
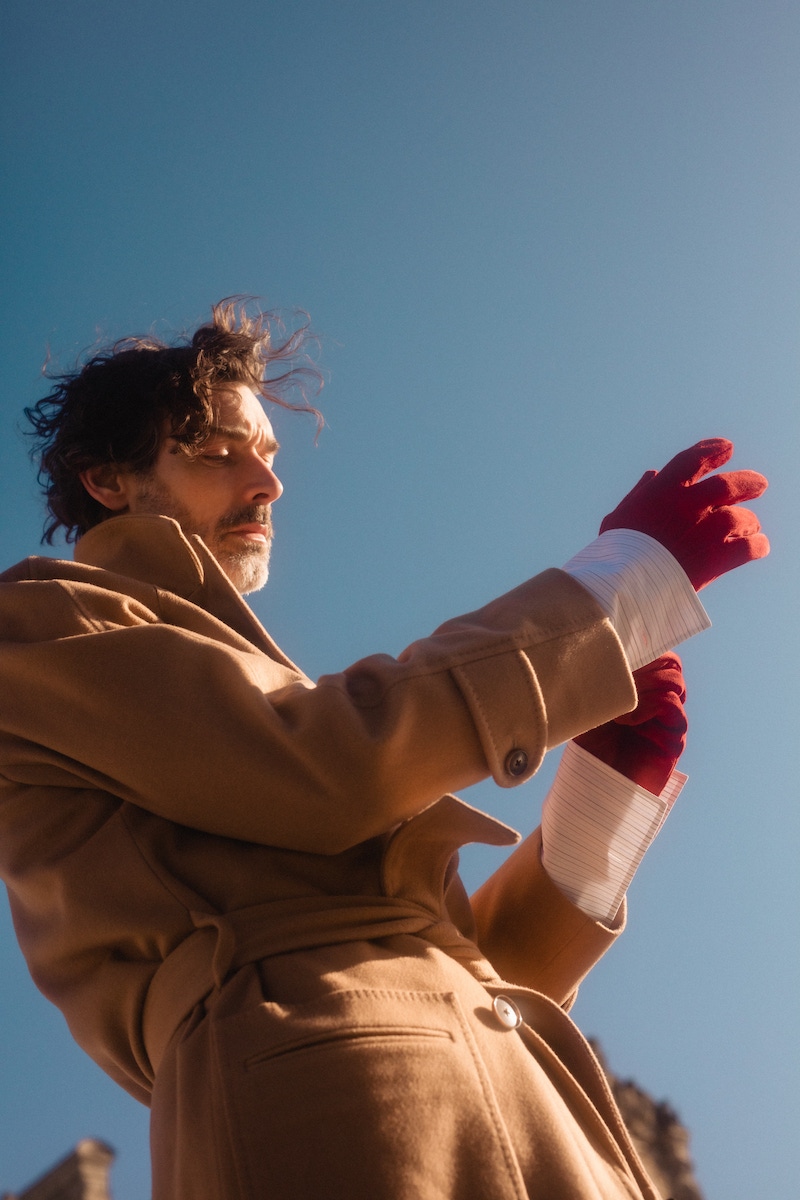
201	491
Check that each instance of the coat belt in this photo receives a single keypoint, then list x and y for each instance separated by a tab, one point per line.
222	943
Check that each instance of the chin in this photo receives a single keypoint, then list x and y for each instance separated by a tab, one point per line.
247	572
253	583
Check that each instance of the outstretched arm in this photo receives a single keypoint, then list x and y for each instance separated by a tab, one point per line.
526	924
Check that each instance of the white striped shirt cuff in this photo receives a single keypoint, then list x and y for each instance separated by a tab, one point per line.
643	590
596	827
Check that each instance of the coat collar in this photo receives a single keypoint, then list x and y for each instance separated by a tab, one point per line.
154	550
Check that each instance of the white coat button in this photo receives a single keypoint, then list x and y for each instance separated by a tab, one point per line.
507	1012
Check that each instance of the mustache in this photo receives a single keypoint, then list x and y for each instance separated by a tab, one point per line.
252	514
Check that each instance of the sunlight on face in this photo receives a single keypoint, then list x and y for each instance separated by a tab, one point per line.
224	491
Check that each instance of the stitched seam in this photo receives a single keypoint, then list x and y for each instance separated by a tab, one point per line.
534	696
466	682
514	645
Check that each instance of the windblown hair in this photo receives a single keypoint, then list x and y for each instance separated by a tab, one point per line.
113	409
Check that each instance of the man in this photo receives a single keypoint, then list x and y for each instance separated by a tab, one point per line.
240	887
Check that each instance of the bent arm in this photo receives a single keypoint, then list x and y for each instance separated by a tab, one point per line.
232	742
531	933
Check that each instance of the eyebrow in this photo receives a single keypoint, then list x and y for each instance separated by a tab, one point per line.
242	433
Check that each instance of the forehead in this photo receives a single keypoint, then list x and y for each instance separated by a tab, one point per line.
238	411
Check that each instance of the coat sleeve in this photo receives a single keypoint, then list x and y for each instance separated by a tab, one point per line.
531	933
225	739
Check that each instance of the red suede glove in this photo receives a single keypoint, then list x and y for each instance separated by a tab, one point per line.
644	745
697	522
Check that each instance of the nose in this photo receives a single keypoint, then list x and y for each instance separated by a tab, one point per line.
265	487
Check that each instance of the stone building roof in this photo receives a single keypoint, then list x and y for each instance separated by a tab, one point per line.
82	1175
661	1141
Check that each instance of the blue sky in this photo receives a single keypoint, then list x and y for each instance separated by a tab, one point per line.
546	245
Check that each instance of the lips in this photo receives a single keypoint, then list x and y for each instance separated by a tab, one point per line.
253	532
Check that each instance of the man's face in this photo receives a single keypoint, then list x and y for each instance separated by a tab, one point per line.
224	491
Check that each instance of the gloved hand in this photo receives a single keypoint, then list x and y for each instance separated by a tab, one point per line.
644	745
697	522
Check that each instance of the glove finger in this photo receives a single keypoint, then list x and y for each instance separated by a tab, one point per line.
723	524
670	721
648	475
663	673
690	465
672	717
656	706
669	661
730	487
669	739
667	718
727	538
740	548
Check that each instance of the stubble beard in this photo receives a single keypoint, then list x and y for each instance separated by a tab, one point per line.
247	566
245	563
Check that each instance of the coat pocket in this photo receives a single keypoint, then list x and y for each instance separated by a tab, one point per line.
362	1093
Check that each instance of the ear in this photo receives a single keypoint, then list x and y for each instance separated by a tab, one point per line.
109	485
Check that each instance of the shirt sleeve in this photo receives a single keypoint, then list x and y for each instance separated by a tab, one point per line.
596	824
596	827
643	590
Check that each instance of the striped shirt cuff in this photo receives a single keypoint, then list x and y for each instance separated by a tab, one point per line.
643	590
596	827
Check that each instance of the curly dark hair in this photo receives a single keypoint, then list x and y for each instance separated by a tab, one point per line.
112	409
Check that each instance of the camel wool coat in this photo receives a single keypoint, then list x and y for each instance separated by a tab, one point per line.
240	887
